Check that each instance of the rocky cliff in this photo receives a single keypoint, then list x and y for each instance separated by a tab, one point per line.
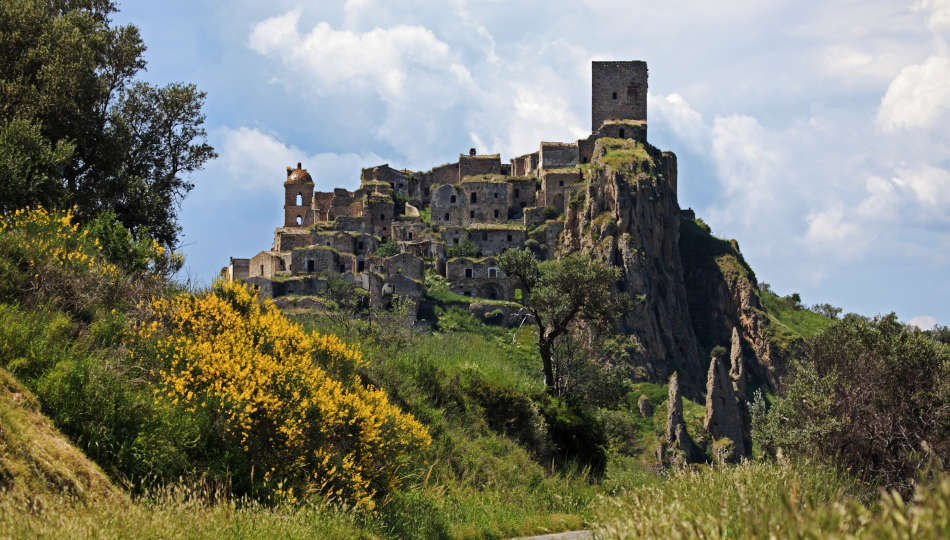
627	214
689	288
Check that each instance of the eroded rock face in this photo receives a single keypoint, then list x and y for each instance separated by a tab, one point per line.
629	217
645	407
721	292
727	414
677	439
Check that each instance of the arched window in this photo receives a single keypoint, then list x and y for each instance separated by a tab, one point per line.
300	196
299	220
474	198
452	199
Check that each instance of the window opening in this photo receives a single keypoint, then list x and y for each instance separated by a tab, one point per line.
468	272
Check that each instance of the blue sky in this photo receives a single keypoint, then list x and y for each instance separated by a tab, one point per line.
816	135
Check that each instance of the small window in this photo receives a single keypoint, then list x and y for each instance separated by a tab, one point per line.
299	220
615	95
621	133
484	235
467	293
509	238
474	198
382	217
426	192
452	199
468	272
496	213
410	235
300	199
446	217
517	194
561	183
493	273
262	269
310	265
455	241
360	265
359	246
471	214
342	269
496	195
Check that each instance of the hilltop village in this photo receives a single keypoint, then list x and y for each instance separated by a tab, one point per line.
455	218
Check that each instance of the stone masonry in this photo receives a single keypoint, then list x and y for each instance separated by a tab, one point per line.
432	215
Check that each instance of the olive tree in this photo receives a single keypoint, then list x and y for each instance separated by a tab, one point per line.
559	293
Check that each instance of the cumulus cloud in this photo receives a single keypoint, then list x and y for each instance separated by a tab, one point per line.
924	322
254	160
918	97
685	121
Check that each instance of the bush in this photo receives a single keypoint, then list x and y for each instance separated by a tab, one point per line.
465	248
577	436
274	401
387	249
871	395
550	212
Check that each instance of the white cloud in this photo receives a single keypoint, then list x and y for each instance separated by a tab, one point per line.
684	120
930	185
747	164
830	231
924	322
254	160
380	57
918	97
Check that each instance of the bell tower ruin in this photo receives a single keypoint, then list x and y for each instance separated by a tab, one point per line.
618	91
298	194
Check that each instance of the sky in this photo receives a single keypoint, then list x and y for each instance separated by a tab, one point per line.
814	133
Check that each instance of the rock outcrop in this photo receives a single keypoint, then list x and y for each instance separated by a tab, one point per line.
727	415
645	406
627	215
721	291
678	447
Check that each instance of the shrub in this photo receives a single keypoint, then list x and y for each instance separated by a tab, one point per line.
871	395
274	400
550	212
387	249
465	248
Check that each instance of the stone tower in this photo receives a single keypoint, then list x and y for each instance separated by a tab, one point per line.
298	194
618	91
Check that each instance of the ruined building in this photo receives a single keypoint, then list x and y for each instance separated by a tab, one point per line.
476	199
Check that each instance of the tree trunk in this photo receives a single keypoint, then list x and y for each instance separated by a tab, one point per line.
545	350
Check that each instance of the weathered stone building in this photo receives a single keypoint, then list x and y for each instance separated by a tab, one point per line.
475	201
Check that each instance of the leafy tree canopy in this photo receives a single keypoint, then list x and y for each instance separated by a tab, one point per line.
77	129
560	292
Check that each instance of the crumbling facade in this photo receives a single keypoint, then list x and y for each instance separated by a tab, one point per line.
454	219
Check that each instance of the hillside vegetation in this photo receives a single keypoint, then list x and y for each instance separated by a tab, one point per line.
441	433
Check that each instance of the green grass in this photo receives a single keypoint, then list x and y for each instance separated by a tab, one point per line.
791	319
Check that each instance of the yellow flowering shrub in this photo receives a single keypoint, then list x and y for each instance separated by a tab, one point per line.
289	401
45	256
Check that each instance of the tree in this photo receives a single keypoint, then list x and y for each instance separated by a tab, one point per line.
76	129
871	395
466	248
827	310
561	292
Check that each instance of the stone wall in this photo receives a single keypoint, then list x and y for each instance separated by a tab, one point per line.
269	263
554	184
238	269
484	201
618	92
478	277
624	129
471	165
522	193
557	155
494	240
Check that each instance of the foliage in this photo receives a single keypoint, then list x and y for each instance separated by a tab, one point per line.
77	129
344	300
560	292
465	248
282	400
550	212
387	249
826	310
46	258
871	395
399	204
